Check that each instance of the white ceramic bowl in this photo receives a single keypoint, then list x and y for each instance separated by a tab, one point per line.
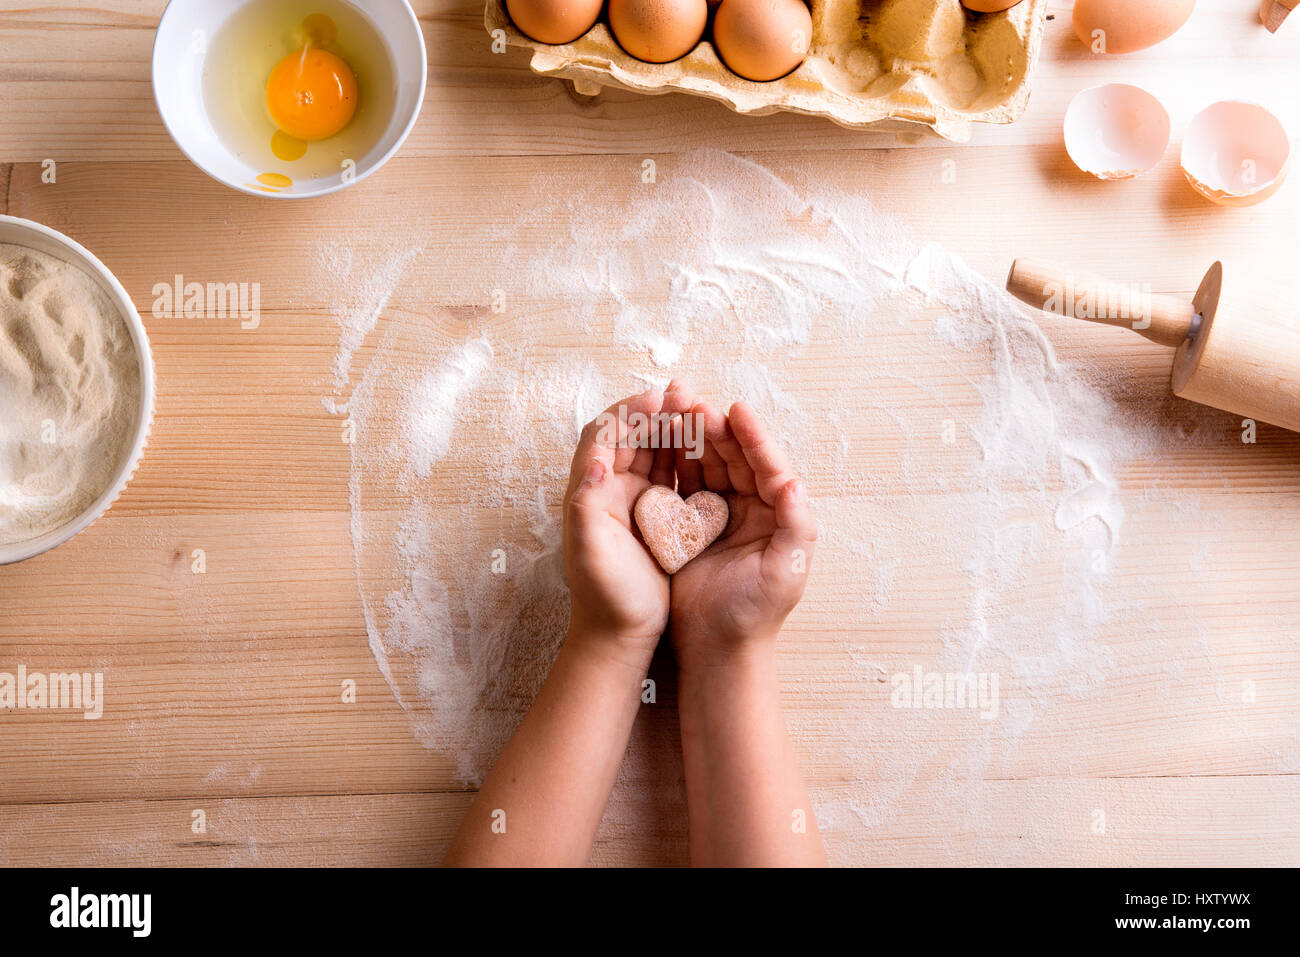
24	232
178	90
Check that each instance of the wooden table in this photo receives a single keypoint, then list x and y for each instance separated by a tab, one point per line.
224	686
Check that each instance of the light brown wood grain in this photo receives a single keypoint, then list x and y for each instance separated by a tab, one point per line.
224	688
1165	822
374	830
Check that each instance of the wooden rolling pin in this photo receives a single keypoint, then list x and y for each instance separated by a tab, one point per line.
1273	12
1237	341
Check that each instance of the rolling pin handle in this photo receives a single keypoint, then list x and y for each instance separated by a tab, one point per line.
1166	320
1273	12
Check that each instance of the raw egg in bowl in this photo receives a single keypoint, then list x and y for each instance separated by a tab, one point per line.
289	98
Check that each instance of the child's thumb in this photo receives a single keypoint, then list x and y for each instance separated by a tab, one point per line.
591	487
796	529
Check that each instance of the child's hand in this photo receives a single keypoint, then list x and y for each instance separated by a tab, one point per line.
556	774
734	597
742	778
619	593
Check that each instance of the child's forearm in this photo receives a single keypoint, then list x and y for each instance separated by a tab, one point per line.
543	801
747	802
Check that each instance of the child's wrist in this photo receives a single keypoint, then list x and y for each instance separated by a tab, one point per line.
754	651
612	645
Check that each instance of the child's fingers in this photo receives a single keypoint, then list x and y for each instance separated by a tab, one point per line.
709	421
607	432
714	468
728	451
770	466
678	398
636	457
687	456
795	537
661	468
689	446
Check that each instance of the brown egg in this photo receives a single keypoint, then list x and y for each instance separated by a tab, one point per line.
554	21
989	6
1123	26
762	39
658	31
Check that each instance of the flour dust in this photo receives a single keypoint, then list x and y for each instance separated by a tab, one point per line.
963	476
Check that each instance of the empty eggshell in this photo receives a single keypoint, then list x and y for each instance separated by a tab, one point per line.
762	39
989	6
1236	153
658	31
1124	26
1116	131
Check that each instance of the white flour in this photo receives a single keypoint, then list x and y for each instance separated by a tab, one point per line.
69	391
990	462
429	416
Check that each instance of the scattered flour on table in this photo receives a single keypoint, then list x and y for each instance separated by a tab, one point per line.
834	322
370	285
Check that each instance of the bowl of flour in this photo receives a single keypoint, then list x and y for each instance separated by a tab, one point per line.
76	389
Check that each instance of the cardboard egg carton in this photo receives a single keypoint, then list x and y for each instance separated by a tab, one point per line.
872	64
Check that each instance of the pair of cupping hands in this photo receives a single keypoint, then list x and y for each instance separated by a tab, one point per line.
677	483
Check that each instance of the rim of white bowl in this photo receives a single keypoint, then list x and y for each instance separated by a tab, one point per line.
84	259
324	190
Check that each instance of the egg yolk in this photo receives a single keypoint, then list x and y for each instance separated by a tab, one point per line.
311	94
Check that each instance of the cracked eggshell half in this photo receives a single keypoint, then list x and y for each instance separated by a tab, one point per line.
1116	131
1236	153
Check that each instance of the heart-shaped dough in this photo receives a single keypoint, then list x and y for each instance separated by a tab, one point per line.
676	531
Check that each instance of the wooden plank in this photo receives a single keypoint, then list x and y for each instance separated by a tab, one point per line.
375	830
231	668
1159	822
1163	822
241	409
225	682
176	220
